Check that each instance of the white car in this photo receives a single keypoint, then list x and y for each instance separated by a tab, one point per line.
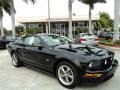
88	39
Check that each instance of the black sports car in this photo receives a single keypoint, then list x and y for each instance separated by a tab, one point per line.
69	62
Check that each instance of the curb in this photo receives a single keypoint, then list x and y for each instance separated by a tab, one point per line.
110	48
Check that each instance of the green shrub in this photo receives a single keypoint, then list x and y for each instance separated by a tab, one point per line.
106	42
117	42
109	42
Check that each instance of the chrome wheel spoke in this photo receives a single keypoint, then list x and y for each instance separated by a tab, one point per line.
63	70
68	70
70	76
62	76
66	79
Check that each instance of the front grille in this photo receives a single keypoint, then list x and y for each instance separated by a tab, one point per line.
99	65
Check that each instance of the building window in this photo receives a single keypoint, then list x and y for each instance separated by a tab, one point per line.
35	25
27	26
80	23
31	26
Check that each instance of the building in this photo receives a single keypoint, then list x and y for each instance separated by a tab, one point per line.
58	25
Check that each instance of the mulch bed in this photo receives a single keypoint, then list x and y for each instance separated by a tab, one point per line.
116	46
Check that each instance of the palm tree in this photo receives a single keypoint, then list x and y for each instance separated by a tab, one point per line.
116	20
91	4
4	5
13	14
70	18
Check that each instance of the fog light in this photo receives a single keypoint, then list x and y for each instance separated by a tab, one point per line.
92	75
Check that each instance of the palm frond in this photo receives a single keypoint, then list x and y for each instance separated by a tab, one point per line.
5	5
92	2
33	1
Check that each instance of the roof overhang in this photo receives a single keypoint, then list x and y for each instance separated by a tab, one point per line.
23	20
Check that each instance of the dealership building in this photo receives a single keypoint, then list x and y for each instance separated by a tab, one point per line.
58	25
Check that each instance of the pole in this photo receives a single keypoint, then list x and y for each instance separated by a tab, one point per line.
74	28
49	16
13	18
116	20
70	19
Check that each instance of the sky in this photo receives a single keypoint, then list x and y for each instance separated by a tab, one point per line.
57	8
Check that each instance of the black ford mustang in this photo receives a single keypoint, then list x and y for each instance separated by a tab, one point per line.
70	63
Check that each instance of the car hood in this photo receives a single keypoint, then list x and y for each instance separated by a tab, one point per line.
85	53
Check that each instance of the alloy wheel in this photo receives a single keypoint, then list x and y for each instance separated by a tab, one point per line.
14	60
65	75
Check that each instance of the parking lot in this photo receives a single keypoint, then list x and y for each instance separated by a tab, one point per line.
26	78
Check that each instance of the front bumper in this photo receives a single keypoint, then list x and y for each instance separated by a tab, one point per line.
98	76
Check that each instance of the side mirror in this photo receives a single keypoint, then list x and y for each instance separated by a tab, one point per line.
40	47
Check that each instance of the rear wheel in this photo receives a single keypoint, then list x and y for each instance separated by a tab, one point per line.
15	61
67	75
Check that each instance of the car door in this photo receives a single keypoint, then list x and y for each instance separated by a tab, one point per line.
38	54
21	49
34	53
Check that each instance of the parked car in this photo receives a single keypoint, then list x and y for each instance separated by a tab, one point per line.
88	39
4	40
108	35
70	63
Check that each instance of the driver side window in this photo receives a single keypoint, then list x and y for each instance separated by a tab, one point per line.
36	41
28	40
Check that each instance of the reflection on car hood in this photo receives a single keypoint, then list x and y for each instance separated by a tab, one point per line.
83	51
82	48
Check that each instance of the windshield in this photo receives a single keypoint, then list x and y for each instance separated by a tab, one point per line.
54	40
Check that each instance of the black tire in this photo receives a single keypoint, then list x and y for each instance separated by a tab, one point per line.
75	75
15	61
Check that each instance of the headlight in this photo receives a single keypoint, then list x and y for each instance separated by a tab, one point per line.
90	64
93	64
100	64
105	62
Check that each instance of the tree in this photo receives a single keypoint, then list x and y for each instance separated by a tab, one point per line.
70	18
5	31
4	5
91	4
105	20
19	29
13	13
116	20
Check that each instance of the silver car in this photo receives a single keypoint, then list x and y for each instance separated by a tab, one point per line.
88	39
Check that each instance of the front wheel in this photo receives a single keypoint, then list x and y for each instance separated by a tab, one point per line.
15	61
67	75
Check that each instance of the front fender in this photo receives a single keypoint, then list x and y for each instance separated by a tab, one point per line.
75	63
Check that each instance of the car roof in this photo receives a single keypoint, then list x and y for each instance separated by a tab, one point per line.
42	34
47	34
